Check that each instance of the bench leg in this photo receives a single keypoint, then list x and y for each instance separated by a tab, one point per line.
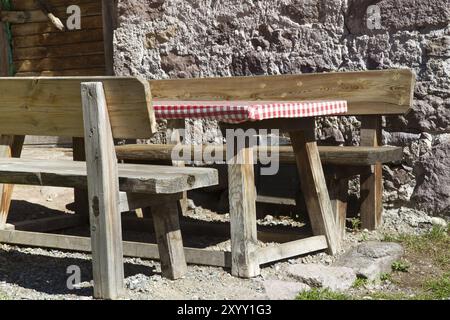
242	198
170	242
371	183
338	190
372	198
103	190
10	146
314	187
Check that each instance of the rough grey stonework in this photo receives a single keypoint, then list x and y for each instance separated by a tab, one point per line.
200	38
371	259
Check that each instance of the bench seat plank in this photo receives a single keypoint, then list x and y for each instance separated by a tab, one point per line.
348	155
133	178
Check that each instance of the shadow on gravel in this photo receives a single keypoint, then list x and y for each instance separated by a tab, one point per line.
48	274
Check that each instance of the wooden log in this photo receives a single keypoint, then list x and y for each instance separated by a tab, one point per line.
314	187
103	190
291	249
132	201
242	197
10	146
131	249
371	183
55	39
170	242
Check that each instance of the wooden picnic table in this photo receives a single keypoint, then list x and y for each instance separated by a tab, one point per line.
296	117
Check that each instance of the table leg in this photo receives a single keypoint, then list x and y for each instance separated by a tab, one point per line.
314	187
242	197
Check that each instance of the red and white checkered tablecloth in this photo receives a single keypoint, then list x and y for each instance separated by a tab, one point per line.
242	111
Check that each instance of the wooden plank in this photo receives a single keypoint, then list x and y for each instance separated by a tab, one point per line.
130	249
338	190
348	155
63	63
92	8
132	201
59	222
291	249
170	242
56	39
314	187
10	146
33	5
70	72
51	106
242	197
65	50
372	182
26	29
367	92
219	229
134	178
4	51
103	191
109	15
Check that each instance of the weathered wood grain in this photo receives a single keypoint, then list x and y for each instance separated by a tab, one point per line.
347	155
103	192
51	106
242	197
291	249
371	182
367	92
130	249
170	242
314	187
132	177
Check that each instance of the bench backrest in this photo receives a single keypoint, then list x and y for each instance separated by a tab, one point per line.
367	92
51	106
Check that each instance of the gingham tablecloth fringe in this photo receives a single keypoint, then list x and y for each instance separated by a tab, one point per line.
239	111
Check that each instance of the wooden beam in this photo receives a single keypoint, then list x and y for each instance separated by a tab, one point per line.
291	249
130	249
314	187
242	197
80	194
170	242
367	92
346	156
103	191
371	183
109	14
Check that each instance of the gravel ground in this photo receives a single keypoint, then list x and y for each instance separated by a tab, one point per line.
34	273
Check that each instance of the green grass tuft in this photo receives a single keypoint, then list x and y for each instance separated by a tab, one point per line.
322	294
438	288
400	266
360	282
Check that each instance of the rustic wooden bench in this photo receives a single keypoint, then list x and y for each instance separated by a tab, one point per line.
98	109
370	96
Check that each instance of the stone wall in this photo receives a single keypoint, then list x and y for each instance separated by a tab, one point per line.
200	38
